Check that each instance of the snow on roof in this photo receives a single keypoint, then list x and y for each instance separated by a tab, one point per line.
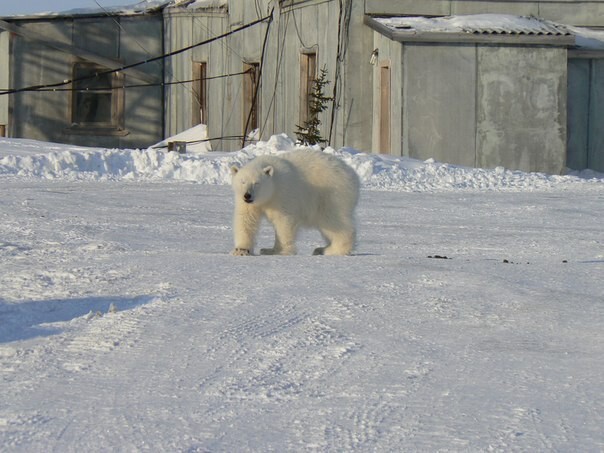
476	24
141	7
199	4
489	25
196	138
588	39
147	6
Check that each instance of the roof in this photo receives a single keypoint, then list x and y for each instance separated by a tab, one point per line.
488	24
588	39
140	7
473	28
184	7
199	4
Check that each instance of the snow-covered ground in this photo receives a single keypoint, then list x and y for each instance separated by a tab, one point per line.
469	319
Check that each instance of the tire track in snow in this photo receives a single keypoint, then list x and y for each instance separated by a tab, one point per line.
274	354
281	351
103	333
361	428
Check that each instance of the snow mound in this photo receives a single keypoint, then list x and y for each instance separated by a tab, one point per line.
27	158
196	138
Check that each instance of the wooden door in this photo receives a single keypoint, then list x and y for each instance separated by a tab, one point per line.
385	109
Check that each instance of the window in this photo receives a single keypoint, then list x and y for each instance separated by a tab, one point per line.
200	94
97	101
308	74
251	101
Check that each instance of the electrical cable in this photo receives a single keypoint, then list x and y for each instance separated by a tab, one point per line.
280	52
139	63
343	29
197	20
304	46
203	140
257	87
161	67
145	85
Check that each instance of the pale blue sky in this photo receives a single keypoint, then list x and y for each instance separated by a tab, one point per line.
11	7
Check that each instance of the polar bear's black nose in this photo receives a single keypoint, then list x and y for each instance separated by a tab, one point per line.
247	197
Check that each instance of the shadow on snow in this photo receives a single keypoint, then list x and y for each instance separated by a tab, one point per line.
26	320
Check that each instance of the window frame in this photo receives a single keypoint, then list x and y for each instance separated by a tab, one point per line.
308	74
200	93
115	126
251	85
385	106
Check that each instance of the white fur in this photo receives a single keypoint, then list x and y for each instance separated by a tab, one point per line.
300	189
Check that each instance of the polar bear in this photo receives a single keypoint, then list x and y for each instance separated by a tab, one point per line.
298	189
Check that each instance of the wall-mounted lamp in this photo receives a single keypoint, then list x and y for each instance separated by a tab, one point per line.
374	57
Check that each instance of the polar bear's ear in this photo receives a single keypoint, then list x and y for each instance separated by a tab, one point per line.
234	170
268	171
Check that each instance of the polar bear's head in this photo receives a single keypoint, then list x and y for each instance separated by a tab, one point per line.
253	184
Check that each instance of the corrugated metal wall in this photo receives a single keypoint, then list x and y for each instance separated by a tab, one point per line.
586	110
40	115
454	118
45	115
308	27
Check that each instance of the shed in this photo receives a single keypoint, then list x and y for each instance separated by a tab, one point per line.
104	106
478	90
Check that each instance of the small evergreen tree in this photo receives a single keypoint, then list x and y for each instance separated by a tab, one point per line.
309	133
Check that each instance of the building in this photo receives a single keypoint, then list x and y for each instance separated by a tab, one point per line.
469	82
515	89
476	90
113	109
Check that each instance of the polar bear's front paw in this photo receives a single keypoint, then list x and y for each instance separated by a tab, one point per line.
241	252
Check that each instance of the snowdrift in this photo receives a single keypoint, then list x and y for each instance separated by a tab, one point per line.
27	158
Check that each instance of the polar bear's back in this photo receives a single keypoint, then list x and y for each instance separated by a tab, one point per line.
317	185
324	170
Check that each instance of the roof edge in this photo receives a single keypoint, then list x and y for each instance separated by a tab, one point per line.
442	37
125	11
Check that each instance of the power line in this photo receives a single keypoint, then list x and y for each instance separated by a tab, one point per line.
121	27
257	87
139	63
203	140
280	50
123	30
198	21
145	85
299	34
343	30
